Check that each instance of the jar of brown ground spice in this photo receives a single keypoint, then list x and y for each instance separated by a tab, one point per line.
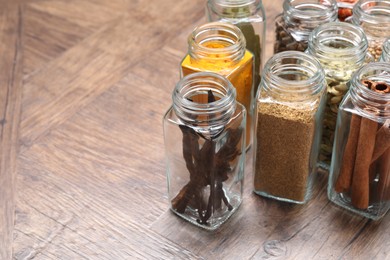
289	110
299	18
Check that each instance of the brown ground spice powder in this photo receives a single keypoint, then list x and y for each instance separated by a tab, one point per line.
284	140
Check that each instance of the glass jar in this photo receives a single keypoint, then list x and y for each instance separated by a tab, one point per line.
385	56
345	9
359	177
374	17
299	18
220	47
289	111
249	16
341	48
204	134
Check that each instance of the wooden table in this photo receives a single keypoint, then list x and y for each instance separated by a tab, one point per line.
84	87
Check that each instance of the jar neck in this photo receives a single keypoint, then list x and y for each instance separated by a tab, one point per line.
235	9
336	44
217	41
373	16
204	99
294	77
368	101
302	16
386	51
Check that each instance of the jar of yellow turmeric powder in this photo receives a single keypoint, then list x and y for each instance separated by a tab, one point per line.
221	48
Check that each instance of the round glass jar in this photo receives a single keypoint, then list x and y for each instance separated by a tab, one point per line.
249	16
374	17
341	48
359	177
385	56
289	113
298	20
220	47
204	134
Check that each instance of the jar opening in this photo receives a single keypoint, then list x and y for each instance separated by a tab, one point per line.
217	41
204	98
294	76
234	8
371	90
334	41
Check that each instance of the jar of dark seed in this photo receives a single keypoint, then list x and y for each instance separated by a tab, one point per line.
249	16
204	134
289	113
298	19
374	17
359	177
385	56
341	48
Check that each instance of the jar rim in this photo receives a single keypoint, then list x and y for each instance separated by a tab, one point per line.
341	32
219	7
274	77
201	82
368	101
368	10
217	31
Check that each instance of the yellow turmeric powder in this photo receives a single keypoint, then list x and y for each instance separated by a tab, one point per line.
239	72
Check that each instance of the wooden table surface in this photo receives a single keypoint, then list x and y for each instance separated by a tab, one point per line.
84	87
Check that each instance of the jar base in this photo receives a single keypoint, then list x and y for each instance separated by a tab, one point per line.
267	195
373	212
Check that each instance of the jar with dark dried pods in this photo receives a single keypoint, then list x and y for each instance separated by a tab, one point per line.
359	177
298	20
341	48
289	111
204	134
249	16
374	17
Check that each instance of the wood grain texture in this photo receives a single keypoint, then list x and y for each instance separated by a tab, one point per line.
11	62
96	78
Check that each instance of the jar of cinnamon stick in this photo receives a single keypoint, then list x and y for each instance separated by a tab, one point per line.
204	134
360	171
341	48
220	47
374	17
298	20
289	110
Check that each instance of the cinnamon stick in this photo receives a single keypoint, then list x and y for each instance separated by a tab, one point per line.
382	141
364	152
343	182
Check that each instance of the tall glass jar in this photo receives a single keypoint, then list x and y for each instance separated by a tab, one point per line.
249	16
220	47
298	20
360	172
385	56
341	48
204	133
374	17
289	111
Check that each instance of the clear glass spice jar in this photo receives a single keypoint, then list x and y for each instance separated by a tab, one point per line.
204	134
298	20
289	113
220	47
345	9
385	56
359	177
374	17
341	48
249	16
